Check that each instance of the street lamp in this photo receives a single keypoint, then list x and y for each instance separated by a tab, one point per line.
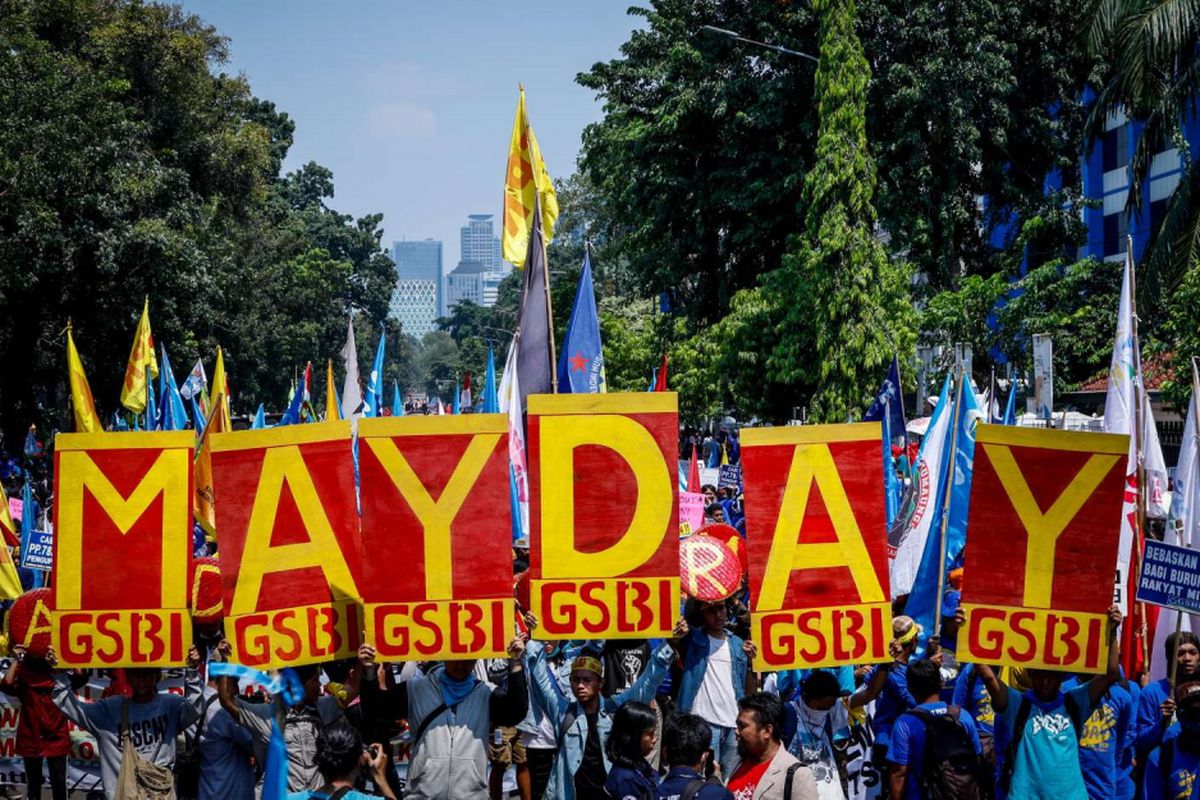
738	37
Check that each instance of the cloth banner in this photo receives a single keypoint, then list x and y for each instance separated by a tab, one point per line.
453	598
1045	517
817	538
603	568
291	556
124	499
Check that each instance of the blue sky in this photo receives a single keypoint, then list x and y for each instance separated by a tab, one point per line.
411	103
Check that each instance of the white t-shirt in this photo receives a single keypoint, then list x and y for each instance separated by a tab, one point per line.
715	701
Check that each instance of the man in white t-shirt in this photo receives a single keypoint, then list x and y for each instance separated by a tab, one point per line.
716	674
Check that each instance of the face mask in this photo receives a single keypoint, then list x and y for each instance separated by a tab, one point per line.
814	716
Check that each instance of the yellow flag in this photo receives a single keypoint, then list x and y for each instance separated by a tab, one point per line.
86	418
525	179
8	529
332	410
143	364
220	389
203	507
10	581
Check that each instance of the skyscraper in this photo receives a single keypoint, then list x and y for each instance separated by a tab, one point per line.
466	282
481	245
417	300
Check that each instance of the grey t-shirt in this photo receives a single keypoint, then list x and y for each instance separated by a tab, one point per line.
299	734
153	726
225	769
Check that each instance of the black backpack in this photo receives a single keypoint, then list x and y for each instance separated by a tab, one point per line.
950	767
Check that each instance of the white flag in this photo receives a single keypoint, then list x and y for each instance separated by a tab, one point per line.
196	382
352	398
510	403
927	478
1118	418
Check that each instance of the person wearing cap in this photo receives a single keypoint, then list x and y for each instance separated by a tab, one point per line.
716	674
1172	767
895	698
583	722
1155	709
1038	731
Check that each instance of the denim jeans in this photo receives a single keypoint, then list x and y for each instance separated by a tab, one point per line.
724	747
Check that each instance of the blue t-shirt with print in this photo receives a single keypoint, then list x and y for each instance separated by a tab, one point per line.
893	701
907	746
1047	759
1106	735
971	693
1176	781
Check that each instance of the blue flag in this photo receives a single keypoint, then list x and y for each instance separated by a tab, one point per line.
198	417
152	420
171	413
892	491
456	409
397	401
1010	409
260	419
28	523
889	399
292	415
373	404
581	362
653	380
491	401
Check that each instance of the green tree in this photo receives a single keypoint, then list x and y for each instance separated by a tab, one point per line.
842	296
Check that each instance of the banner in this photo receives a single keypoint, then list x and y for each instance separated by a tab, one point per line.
729	476
817	539
290	552
38	552
434	495
603	514
124	499
691	512
1044	521
1043	375
1170	577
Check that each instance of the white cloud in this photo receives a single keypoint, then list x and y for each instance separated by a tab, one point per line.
400	120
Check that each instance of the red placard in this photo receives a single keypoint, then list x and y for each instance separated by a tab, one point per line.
604	514
817	537
435	499
1041	549
287	526
123	539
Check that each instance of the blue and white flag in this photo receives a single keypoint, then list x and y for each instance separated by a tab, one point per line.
260	419
889	400
581	362
373	404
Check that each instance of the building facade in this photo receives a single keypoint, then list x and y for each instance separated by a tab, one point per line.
480	244
418	299
466	282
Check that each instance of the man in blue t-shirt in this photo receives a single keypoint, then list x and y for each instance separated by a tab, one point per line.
895	698
1172	767
906	752
1155	708
1041	754
971	695
1104	742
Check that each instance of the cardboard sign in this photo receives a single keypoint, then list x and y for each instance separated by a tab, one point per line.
123	523
691	512
437	580
603	515
1170	577
290	552
38	552
730	476
1042	547
817	537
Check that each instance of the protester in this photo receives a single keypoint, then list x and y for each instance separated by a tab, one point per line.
633	737
1038	730
972	696
226	771
583	723
1172	767
934	748
895	698
716	674
341	755
147	723
450	712
1106	742
42	732
766	770
538	733
714	514
1156	708
686	750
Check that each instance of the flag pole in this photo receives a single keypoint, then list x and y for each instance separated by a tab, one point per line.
937	619
537	209
1138	422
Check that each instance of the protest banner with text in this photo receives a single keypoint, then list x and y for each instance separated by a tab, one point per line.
437	580
1042	547
1170	577
290	551
817	539
603	514
124	500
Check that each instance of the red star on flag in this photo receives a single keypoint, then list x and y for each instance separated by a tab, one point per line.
579	363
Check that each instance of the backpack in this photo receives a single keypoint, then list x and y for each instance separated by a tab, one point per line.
1023	712
694	786
950	765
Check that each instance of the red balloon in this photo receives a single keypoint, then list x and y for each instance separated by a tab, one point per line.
708	569
204	591
28	621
